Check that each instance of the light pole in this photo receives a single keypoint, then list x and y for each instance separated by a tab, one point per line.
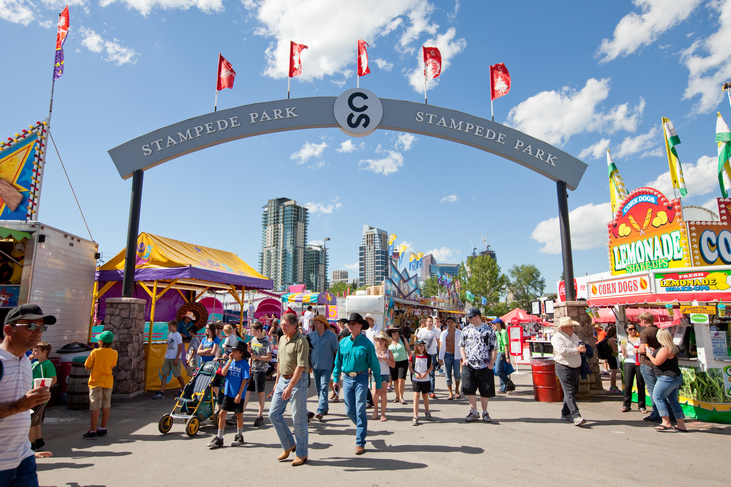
324	264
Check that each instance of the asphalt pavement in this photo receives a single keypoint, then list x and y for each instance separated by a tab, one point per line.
526	444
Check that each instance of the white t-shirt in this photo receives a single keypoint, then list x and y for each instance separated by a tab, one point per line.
16	382
420	365
174	340
307	321
372	332
430	339
633	347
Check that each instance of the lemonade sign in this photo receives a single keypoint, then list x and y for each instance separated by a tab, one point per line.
647	233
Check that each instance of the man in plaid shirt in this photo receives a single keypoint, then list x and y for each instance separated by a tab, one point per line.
478	346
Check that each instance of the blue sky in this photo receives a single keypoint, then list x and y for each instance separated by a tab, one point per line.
584	78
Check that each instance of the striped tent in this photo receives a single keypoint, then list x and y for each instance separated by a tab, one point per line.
310	298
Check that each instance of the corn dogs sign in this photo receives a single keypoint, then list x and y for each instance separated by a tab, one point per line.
647	233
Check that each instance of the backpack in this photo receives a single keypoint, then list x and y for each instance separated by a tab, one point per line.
604	351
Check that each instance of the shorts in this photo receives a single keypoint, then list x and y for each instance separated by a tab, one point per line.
229	404
100	397
257	382
168	366
478	379
423	387
384	379
612	362
39	412
400	371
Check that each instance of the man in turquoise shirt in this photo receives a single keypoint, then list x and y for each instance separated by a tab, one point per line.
356	354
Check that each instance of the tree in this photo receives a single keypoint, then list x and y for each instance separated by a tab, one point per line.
338	287
482	277
526	284
430	288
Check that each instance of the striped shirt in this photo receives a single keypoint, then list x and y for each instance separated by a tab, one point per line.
17	380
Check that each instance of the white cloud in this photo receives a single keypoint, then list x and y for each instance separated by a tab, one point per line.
443	255
712	205
323	208
111	51
348	146
383	64
145	6
387	165
329	28
700	178
350	267
18	11
452	198
404	141
595	151
588	229
448	46
708	72
555	116
635	31
409	246
419	23
653	153
634	145
308	151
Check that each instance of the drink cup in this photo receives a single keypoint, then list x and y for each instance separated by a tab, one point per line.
41	383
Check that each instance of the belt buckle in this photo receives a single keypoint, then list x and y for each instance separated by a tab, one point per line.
352	374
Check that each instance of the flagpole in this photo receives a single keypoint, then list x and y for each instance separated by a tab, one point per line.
215	103
492	113
288	80
53	81
425	103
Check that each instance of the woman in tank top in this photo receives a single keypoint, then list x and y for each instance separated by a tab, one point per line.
669	380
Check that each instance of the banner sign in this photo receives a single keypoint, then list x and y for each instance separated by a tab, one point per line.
710	241
21	171
636	285
704	310
647	233
692	282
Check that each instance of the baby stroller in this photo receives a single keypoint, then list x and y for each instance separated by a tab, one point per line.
196	403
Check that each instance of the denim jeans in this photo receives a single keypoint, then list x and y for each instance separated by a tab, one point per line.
649	377
569	379
355	392
451	365
432	374
24	475
500	368
665	396
299	415
322	381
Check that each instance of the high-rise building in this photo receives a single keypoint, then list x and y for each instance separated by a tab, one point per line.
372	257
284	237
316	268
340	275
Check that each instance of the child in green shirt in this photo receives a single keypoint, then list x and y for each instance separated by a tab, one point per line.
42	369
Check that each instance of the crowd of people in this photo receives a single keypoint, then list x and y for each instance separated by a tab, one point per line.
357	361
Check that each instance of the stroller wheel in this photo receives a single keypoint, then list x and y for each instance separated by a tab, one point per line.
192	425
165	424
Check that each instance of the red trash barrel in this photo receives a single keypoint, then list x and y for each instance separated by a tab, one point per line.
546	386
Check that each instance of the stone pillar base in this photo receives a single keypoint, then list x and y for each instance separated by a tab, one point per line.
126	319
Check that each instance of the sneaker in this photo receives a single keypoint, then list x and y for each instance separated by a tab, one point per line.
415	422
566	418
216	442
510	386
159	395
432	395
473	416
578	421
486	417
101	432
238	440
89	435
614	390
427	415
259	421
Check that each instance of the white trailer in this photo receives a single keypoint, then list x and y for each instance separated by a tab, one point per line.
57	274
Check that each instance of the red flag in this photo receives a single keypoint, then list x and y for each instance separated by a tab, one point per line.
499	81
295	63
363	68
432	62
63	28
226	74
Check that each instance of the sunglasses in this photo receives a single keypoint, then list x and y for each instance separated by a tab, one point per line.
34	327
631	329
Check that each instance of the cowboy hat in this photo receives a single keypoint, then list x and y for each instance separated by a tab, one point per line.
565	321
383	336
358	319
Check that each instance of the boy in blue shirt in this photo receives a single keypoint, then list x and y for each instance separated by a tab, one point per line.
236	372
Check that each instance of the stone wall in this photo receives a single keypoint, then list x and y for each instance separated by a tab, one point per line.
125	317
576	310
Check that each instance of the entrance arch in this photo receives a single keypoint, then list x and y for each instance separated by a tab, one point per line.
357	112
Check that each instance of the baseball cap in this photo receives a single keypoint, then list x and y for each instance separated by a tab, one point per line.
418	341
473	312
28	311
106	337
497	320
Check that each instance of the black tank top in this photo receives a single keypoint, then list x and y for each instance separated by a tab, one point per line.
668	368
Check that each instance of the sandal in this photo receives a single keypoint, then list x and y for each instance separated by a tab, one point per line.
624	409
683	430
384	419
663	428
397	400
403	401
450	398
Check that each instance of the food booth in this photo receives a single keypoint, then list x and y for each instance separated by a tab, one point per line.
681	272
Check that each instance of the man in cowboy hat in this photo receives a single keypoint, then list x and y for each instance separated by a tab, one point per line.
23	328
567	350
324	345
356	356
184	325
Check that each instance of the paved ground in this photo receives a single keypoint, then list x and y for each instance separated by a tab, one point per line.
525	445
